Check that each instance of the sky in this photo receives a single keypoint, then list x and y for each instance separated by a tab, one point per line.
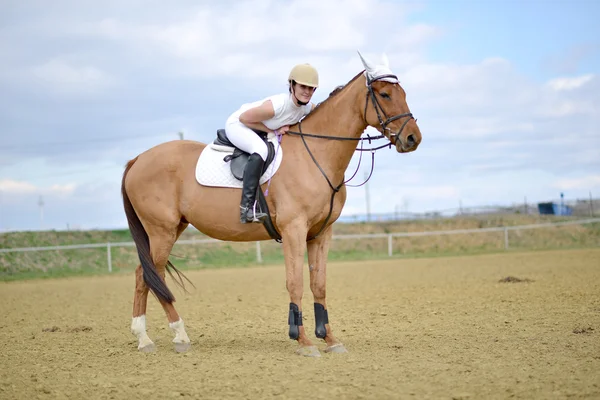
506	93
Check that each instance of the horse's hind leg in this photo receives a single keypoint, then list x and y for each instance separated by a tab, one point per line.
161	244
317	265
138	321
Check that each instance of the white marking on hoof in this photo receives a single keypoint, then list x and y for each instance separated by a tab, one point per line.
336	348
182	347
138	328
148	348
308	351
181	336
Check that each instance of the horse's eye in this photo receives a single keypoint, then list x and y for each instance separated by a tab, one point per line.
384	95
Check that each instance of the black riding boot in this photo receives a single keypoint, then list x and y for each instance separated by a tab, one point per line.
252	173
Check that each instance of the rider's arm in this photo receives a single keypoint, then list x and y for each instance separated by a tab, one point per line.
253	117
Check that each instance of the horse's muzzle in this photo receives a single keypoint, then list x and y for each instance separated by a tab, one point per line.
407	145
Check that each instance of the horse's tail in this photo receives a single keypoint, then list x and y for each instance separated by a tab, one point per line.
140	237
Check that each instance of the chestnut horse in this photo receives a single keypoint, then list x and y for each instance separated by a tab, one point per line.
162	197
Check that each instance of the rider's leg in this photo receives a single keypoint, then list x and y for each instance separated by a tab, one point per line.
244	138
252	172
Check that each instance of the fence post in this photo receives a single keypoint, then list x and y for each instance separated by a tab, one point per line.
505	238
258	253
389	244
108	254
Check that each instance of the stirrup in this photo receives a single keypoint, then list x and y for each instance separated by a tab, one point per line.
257	218
248	215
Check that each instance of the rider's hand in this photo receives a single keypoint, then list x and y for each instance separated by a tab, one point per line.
283	130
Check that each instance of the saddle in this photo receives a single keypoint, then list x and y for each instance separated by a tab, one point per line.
239	158
238	161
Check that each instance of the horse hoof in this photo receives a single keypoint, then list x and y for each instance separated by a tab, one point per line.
336	348
149	348
308	351
182	347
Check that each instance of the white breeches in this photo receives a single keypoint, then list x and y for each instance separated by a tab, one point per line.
246	139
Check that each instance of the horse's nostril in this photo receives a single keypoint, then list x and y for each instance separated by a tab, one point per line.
410	140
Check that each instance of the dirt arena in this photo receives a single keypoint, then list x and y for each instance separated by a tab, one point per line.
441	328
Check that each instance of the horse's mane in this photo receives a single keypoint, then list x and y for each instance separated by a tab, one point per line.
334	92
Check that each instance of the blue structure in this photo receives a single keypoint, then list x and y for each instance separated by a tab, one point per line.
555	208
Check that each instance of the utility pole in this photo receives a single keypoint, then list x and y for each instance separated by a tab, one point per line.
562	201
367	197
41	204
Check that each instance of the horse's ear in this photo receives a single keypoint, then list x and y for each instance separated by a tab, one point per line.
368	66
385	61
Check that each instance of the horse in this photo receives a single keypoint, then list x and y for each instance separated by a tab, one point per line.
161	197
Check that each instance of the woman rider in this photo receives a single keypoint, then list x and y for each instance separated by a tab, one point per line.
272	114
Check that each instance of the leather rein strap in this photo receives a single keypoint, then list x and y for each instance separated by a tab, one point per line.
384	124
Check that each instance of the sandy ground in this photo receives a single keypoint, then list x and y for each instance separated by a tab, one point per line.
440	328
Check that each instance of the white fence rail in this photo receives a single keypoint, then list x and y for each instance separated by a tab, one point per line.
388	236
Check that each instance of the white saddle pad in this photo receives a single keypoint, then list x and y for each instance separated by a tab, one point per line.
211	170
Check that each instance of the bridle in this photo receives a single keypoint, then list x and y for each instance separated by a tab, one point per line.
384	125
378	109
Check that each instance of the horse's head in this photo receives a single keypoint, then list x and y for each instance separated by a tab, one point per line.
386	108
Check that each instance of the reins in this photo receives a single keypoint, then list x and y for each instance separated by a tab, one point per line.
382	122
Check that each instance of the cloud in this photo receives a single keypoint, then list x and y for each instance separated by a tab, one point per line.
119	74
568	60
586	182
63	77
11	187
575	96
62	189
559	84
89	206
198	32
416	35
489	117
243	40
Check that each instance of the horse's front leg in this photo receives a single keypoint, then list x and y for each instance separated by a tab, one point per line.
317	265
294	248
